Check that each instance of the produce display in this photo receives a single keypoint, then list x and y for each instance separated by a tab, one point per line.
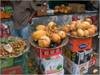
77	7
4	15
6	12
12	47
48	35
62	9
82	28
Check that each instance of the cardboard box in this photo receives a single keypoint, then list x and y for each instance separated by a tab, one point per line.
78	57
75	69
52	64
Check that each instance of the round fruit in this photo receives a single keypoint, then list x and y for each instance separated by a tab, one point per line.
52	26
74	33
37	34
84	25
57	7
66	28
51	23
72	26
41	27
86	33
78	23
91	31
62	34
94	27
44	41
74	22
88	20
55	38
80	32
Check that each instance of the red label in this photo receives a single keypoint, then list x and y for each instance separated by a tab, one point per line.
13	70
80	44
92	61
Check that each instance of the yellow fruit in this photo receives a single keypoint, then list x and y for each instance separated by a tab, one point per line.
66	28
74	22
74	33
80	32
72	26
37	34
94	27
41	27
84	25
56	11
55	38
86	33
52	26
62	34
78	23
91	31
88	20
56	7
65	11
44	41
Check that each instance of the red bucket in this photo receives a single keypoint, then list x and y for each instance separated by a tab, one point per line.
80	43
48	52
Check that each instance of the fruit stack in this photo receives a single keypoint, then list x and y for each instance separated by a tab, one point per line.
80	45
48	41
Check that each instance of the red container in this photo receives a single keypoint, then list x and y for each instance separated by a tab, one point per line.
13	70
48	52
80	44
92	61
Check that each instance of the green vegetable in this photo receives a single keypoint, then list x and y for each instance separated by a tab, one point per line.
8	9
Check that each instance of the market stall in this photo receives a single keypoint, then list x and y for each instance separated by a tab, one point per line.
62	40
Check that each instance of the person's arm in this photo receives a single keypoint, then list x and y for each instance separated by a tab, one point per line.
39	7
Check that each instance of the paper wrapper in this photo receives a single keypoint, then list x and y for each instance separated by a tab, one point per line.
52	64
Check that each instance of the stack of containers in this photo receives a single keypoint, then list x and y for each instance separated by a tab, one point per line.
12	65
79	54
50	60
